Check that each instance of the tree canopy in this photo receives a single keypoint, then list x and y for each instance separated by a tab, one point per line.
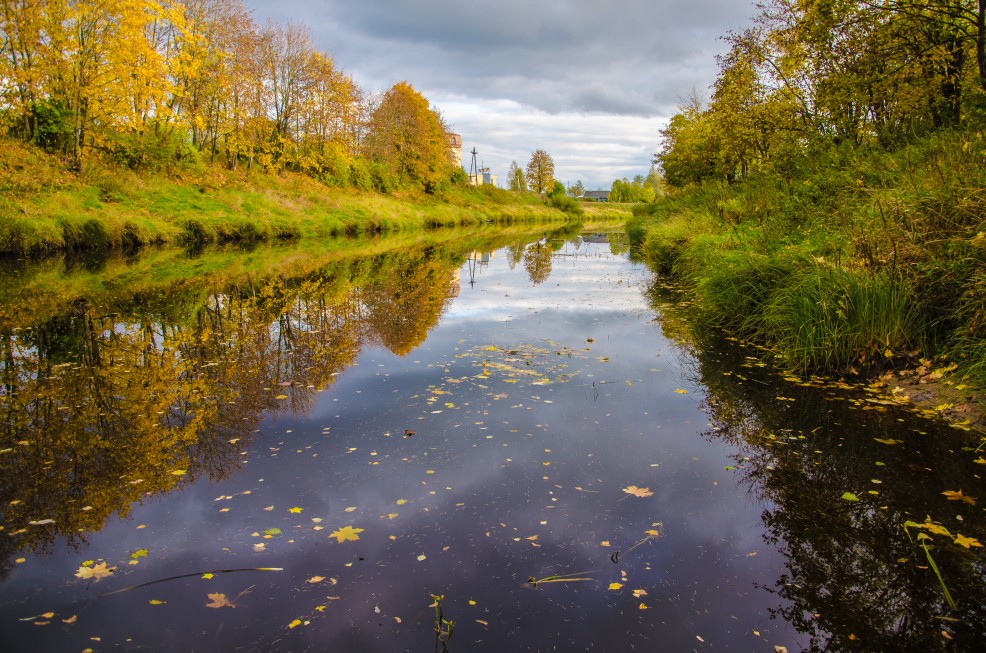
515	178
540	172
408	139
808	73
161	84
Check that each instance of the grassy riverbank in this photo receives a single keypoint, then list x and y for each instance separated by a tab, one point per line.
45	209
855	259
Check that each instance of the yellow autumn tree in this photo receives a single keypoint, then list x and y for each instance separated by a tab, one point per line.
407	138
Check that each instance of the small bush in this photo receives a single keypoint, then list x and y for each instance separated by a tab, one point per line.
566	204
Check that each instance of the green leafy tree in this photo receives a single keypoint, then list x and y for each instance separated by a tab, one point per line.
541	172
576	190
688	154
515	178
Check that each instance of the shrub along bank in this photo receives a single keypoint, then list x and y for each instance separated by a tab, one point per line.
857	258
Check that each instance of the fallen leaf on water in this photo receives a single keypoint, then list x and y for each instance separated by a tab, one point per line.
295	623
350	509
849	496
295	510
482	623
956	495
638	491
95	572
156	602
207	576
219	601
887	441
71	620
930	526
422	558
681	391
615	586
638	593
260	546
967	542
643	606
346	533
315	579
179	472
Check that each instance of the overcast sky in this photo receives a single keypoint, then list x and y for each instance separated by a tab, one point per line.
589	81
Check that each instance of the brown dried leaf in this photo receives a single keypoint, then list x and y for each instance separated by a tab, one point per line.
219	601
638	491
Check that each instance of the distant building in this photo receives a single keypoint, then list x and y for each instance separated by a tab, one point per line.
455	147
596	195
484	177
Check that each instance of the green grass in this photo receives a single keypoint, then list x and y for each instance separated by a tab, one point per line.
855	257
112	208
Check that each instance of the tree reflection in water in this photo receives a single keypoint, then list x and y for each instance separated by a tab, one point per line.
854	580
101	409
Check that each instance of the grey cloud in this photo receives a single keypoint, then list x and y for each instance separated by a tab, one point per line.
444	45
584	76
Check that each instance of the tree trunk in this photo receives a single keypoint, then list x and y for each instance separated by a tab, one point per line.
981	42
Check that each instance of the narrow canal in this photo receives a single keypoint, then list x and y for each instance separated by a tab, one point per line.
506	447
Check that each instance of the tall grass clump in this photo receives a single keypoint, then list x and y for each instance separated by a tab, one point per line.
734	286
827	318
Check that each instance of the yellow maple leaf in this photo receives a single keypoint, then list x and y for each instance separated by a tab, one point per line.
295	510
615	586
954	495
638	593
967	542
346	533
638	491
96	572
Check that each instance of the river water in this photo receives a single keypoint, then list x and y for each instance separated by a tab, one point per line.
499	446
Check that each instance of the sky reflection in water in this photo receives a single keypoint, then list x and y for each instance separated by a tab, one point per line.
516	468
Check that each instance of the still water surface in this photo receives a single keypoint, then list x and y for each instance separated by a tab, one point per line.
454	424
